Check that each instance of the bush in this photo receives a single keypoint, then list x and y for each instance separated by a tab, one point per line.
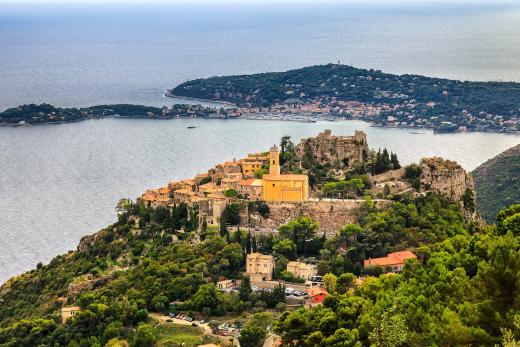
373	270
263	210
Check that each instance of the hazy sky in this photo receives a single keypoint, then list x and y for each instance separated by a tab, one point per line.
255	1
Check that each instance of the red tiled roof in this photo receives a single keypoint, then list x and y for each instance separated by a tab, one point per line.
315	291
396	258
248	182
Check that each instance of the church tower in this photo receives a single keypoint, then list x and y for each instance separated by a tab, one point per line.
274	161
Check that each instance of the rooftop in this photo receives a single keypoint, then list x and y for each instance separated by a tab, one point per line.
391	259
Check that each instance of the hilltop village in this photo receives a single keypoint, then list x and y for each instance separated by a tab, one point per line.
265	197
258	178
319	243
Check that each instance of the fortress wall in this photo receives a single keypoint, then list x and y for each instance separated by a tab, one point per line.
332	214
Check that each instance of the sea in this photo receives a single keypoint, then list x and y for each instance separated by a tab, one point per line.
60	182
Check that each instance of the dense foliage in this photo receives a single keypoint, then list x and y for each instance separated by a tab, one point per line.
463	291
497	183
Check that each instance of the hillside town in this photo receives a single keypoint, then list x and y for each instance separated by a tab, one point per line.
270	235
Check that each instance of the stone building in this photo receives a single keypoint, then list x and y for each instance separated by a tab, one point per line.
283	187
346	151
259	267
252	163
250	188
302	270
69	312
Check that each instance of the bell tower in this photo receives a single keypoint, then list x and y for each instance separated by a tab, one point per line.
274	161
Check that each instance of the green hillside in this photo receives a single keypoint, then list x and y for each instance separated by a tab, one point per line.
497	183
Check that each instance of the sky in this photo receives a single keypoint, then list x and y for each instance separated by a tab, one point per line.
386	2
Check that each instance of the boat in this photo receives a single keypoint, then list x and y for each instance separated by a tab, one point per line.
191	127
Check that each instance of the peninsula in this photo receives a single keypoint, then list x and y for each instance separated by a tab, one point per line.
340	91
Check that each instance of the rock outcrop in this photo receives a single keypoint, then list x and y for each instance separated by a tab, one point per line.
341	151
448	179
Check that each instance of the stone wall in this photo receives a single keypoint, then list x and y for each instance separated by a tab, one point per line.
346	151
332	214
391	175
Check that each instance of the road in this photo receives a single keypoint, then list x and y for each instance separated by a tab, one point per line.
166	319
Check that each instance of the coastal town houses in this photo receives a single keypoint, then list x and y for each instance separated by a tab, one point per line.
250	189
393	262
253	163
207	191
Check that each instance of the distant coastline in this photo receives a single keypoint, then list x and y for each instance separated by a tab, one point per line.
45	114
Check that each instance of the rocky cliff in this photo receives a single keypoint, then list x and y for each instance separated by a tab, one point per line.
448	179
340	151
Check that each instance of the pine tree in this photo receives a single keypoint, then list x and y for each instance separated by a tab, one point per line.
248	243
255	248
385	161
245	290
395	162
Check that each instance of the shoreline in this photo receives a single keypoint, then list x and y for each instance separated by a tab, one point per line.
8	125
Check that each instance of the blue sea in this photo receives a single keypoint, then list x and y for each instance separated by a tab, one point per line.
60	182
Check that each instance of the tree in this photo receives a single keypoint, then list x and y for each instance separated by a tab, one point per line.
395	162
386	190
412	173
115	342
245	290
263	209
329	281
283	145
145	336
301	231
230	193
390	330
231	214
254	332
508	219
123	205
205	180
285	247
345	282
254	245
214	324
206	296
